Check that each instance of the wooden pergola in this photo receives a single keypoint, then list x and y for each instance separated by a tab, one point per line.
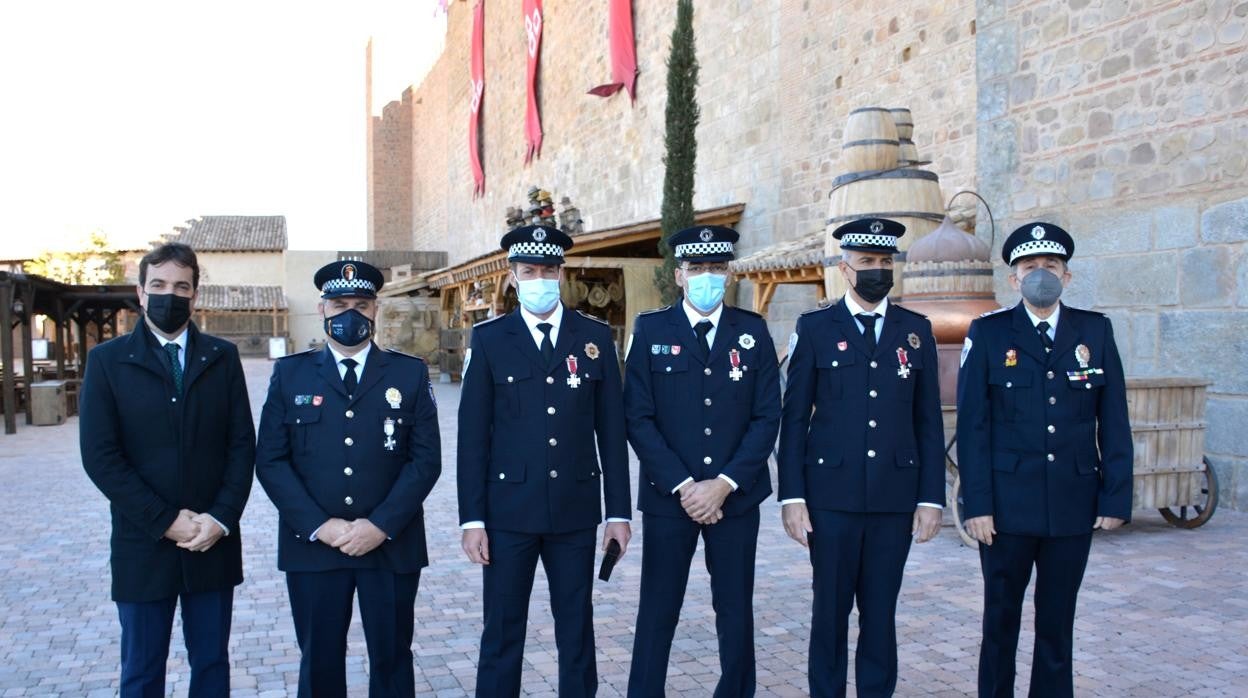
70	307
799	261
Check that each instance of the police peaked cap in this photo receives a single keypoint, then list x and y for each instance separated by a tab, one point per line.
704	243
870	235
347	278
1036	239
536	244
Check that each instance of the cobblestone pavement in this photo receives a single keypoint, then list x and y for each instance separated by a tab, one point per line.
1164	612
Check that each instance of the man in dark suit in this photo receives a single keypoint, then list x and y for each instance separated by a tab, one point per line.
863	473
702	397
348	451
539	385
1045	456
166	434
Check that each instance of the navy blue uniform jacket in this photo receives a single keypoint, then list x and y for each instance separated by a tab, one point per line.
687	417
857	435
321	455
153	452
1044	445
526	437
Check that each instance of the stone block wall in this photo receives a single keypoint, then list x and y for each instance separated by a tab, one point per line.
391	191
1123	121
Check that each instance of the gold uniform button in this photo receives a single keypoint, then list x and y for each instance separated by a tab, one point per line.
553	442
554	474
347	471
873	394
1051	457
348	501
707	402
348	441
350	414
871	453
550	410
707	460
549	380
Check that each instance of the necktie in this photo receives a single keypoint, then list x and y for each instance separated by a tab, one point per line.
349	379
1043	328
868	329
174	365
703	328
548	348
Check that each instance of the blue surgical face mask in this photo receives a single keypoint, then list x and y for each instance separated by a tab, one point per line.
538	296
705	291
349	328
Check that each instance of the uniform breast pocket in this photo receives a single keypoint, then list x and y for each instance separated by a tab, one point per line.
834	370
1087	393
299	424
509	380
1010	389
667	376
588	378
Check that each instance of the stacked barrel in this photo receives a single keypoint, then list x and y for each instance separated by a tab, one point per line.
882	181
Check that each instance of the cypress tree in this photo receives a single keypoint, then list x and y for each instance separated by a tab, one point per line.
680	142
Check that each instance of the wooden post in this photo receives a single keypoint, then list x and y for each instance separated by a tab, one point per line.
27	294
62	324
82	342
6	356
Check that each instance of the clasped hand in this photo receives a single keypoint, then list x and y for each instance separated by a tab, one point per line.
703	501
354	538
194	532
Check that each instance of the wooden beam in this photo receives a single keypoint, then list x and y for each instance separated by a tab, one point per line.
27	294
9	387
769	292
62	323
82	343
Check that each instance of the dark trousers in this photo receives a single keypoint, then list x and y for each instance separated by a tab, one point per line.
857	558
1007	564
569	562
145	630
667	551
320	603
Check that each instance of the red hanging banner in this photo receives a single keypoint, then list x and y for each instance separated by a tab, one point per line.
478	93
532	119
623	51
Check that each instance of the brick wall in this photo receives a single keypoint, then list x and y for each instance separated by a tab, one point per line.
1124	123
391	186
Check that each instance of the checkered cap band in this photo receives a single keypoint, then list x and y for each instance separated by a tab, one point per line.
698	249
535	249
355	284
1035	247
865	240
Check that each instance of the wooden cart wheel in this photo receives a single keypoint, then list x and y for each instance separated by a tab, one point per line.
954	496
1200	512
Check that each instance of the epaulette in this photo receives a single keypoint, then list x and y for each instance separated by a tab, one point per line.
403	353
751	313
655	310
487	321
812	311
998	310
905	309
587	316
305	352
1084	310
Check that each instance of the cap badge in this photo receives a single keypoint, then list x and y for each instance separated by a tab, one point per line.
706	235
348	272
746	341
539	235
394	397
876	227
1038	232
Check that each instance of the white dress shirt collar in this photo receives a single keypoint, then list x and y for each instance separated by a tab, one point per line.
360	357
695	317
180	340
855	309
532	321
1052	319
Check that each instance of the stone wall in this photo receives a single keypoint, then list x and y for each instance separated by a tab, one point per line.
778	80
391	185
1124	122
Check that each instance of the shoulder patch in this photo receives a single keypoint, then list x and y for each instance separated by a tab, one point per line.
587	316
750	313
405	354
1085	311
487	321
908	310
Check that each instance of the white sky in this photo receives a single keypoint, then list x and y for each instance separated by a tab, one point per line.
131	116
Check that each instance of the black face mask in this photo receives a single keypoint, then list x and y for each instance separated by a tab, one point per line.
873	284
349	328
168	311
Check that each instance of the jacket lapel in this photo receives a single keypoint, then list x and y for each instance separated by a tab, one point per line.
725	335
841	315
140	352
1066	336
524	340
684	332
567	339
1026	336
888	335
374	369
329	372
200	354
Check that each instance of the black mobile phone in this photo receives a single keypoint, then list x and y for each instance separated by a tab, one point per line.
609	559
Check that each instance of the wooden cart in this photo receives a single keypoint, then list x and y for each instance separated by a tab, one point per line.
1171	472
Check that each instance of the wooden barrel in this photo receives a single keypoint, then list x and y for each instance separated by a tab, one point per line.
870	141
907	153
909	196
1168	432
904	121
